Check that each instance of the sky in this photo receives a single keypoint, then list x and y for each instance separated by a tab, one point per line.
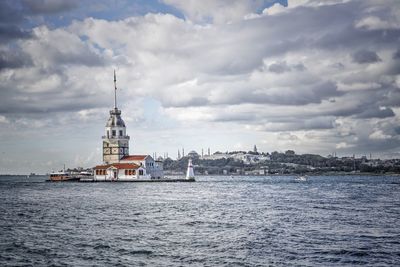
317	77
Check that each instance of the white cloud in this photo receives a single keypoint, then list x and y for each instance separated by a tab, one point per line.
342	145
3	120
275	9
288	76
376	23
379	135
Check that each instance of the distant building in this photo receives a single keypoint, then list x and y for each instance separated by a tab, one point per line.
193	154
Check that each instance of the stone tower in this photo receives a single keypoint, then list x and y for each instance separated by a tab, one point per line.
115	140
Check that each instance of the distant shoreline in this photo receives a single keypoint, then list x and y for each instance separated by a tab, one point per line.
243	175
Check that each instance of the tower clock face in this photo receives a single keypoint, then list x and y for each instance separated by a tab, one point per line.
106	151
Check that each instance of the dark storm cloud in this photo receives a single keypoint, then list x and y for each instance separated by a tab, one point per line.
55	100
300	123
300	95
277	122
14	59
9	12
11	32
14	13
396	55
329	28
392	98
279	67
376	112
366	104
10	20
49	6
365	56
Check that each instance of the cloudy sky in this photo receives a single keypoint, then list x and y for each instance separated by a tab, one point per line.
312	76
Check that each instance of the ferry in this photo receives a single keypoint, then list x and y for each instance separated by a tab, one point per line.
62	177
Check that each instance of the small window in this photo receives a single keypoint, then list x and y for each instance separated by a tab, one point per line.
120	133
133	172
114	133
140	172
126	172
108	133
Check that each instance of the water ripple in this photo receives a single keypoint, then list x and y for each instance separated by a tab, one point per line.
217	221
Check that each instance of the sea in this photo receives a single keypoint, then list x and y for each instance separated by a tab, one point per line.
215	221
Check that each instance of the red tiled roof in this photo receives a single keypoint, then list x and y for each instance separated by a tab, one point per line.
117	166
135	157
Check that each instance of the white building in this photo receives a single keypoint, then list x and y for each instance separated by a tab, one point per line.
117	163
119	171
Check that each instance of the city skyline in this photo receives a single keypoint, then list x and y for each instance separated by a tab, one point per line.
317	77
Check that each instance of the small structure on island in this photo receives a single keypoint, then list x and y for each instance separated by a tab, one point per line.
118	165
190	172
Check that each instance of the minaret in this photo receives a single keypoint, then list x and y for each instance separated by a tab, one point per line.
115	140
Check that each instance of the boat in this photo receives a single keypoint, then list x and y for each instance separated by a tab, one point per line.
62	177
301	178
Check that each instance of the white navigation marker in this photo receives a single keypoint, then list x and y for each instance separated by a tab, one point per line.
190	172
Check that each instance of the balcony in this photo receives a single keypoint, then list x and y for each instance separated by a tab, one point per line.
126	137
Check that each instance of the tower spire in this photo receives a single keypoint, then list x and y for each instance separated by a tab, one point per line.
115	90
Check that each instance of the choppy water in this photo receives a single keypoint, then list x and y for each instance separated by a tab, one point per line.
217	221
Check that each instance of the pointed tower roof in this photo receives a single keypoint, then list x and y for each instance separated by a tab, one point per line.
115	114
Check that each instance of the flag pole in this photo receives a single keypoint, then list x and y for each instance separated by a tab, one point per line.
115	91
